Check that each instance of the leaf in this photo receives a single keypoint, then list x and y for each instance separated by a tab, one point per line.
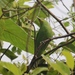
1	69
42	13
4	71
14	34
5	3
21	2
66	23
37	70
0	11
59	66
66	18
70	47
9	54
48	4
23	68
13	49
11	67
52	72
63	67
69	58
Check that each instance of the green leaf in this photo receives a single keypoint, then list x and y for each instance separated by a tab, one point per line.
70	47
14	34
66	18
42	13
46	59
52	72
38	70
11	67
21	2
13	49
9	54
48	4
0	11
5	3
19	51
69	58
4	71
64	68
23	68
59	66
66	23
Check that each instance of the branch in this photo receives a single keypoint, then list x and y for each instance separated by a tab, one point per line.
33	61
64	5
27	9
44	42
58	20
49	52
16	14
50	39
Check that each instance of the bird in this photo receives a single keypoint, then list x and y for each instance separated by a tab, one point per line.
45	32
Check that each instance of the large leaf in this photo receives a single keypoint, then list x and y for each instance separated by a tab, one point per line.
69	58
12	33
11	67
59	66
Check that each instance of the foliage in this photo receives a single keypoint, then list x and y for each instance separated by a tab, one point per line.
18	21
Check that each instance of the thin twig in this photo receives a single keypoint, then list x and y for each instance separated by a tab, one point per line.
18	10
50	39
14	9
64	5
16	14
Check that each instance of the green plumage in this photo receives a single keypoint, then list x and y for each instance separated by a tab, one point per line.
45	32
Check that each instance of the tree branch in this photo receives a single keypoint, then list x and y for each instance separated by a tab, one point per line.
49	52
64	5
50	39
58	20
14	10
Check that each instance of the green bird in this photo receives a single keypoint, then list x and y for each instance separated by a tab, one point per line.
45	32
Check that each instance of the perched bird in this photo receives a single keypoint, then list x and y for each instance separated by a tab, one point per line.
45	32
